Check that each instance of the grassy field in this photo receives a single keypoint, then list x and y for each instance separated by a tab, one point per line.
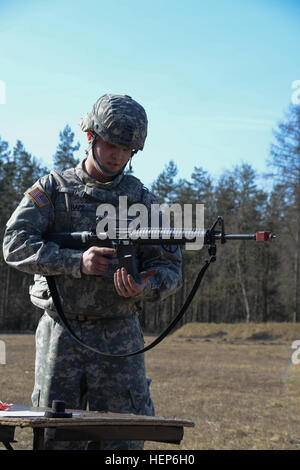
232	381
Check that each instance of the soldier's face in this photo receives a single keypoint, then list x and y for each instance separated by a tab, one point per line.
110	156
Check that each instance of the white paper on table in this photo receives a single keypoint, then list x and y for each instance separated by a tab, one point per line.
21	414
19	411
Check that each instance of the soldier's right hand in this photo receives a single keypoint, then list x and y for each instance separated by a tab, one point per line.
94	260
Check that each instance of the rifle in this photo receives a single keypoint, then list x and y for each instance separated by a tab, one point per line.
126	243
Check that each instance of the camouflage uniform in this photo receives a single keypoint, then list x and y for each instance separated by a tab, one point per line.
64	370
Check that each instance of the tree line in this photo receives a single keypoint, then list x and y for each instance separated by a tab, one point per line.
248	282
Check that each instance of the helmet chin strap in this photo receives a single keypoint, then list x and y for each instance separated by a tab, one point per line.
105	171
100	168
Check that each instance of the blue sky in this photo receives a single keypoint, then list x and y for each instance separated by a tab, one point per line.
214	77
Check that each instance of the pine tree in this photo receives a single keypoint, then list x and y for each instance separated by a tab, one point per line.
18	171
64	156
242	206
164	187
272	259
28	169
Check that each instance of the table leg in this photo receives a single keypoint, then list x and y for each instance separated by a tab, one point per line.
7	445
38	438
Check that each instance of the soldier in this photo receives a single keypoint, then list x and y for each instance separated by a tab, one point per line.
100	301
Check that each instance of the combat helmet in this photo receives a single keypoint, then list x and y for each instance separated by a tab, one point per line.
119	120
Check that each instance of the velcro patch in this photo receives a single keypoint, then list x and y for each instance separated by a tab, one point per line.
39	197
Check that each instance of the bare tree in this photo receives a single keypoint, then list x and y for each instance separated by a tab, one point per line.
285	161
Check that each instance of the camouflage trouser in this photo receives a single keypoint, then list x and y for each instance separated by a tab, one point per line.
66	371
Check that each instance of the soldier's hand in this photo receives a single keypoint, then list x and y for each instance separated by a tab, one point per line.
125	284
94	261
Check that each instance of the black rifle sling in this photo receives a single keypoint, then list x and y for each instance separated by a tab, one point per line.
59	309
57	303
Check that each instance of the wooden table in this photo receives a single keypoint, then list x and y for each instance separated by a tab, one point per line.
95	426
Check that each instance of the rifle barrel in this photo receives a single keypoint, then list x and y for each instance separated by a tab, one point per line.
152	237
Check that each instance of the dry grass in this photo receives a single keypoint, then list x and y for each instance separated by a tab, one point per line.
231	388
241	331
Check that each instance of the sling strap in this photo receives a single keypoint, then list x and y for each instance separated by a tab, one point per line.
58	306
60	312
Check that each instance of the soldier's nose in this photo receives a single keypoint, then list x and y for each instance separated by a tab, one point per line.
118	153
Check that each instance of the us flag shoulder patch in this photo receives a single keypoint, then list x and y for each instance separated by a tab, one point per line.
39	197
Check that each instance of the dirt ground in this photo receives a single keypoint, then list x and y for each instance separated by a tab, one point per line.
240	394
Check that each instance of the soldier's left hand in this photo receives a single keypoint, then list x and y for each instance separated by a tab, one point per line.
125	284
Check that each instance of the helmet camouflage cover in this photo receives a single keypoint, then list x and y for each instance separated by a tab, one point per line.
119	120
